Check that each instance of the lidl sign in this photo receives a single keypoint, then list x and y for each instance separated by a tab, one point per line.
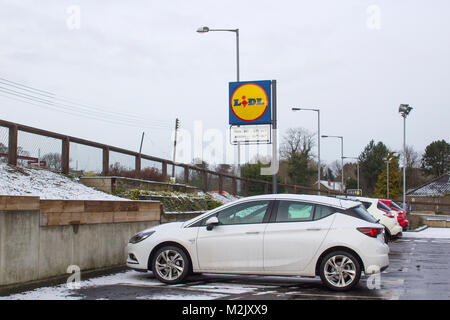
250	102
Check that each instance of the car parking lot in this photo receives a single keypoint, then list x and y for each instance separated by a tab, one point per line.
418	270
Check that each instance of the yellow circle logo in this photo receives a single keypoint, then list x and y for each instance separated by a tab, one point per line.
249	102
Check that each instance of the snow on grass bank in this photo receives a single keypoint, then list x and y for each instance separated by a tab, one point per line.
224	198
18	181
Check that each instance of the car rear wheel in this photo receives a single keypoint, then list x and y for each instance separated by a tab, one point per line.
170	265
340	270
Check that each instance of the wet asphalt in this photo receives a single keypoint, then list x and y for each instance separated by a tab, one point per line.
419	269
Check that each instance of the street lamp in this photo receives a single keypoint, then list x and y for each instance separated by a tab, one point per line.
318	142
357	168
388	160
205	29
342	158
404	110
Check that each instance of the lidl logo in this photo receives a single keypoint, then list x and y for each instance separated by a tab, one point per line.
250	102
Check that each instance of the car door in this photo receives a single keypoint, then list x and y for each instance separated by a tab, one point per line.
294	235
236	244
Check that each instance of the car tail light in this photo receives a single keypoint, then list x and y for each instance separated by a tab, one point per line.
371	232
389	215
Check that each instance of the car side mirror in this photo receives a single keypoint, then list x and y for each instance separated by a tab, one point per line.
211	222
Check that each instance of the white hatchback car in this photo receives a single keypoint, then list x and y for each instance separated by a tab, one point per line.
278	234
383	214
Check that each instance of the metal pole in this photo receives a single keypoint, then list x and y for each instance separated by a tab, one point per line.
404	162
387	179
318	151
175	146
142	140
274	136
357	166
342	163
239	144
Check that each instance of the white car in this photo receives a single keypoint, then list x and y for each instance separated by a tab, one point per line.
383	213
278	234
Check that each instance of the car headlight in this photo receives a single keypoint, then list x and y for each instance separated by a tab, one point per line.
141	236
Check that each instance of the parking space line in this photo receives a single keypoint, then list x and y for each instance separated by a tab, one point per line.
332	296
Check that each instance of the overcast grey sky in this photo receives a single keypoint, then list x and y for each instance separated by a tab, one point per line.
145	58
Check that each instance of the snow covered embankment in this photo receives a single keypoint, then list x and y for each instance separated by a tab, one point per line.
18	181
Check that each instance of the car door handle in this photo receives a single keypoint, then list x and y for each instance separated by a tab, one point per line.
252	232
313	229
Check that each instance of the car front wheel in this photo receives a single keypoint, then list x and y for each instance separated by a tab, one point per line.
170	265
340	271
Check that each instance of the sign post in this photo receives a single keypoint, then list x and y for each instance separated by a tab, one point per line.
250	111
275	137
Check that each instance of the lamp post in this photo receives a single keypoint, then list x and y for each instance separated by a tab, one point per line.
387	159
357	169
236	31
342	158
404	110
318	143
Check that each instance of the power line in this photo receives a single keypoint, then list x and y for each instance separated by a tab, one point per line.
31	92
53	108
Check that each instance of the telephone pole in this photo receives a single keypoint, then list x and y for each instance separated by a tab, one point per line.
177	125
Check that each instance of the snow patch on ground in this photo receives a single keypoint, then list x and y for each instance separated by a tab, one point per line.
124	278
439	233
18	181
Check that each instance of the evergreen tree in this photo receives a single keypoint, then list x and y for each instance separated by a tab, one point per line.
371	164
395	181
436	159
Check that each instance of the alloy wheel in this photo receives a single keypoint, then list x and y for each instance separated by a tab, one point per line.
169	265
340	271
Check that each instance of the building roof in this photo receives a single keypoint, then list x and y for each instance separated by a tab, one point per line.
436	187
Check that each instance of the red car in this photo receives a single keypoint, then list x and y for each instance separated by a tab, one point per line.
401	216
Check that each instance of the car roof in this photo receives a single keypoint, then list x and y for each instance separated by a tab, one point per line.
324	200
362	199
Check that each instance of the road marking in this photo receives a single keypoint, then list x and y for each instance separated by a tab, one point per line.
400	259
332	296
398	282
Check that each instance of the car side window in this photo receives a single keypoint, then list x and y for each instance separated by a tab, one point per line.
323	211
243	213
291	211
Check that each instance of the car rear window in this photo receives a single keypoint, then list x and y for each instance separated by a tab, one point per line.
396	206
360	212
382	206
366	204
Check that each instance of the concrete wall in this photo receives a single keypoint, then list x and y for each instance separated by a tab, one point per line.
40	238
431	220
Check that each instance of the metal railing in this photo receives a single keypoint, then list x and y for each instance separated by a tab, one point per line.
13	156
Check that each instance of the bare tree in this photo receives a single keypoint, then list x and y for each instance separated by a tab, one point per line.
412	157
297	141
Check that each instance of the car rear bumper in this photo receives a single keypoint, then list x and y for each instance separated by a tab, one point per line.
396	230
376	263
